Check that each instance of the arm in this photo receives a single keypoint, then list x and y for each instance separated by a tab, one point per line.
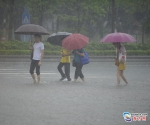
80	54
68	53
42	54
63	55
122	50
31	48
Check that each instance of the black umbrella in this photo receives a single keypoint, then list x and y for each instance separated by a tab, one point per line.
31	29
56	38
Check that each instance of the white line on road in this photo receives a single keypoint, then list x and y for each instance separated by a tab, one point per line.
13	73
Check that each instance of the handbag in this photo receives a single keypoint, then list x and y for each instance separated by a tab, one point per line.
122	58
84	59
73	63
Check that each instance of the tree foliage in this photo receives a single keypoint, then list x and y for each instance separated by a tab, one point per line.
89	17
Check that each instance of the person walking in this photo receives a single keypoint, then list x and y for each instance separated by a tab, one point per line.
78	64
120	49
38	53
65	61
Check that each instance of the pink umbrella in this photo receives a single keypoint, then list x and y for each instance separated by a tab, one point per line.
75	41
118	37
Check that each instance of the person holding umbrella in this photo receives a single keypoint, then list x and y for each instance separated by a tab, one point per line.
117	38
65	61
38	53
76	42
78	64
38	47
120	50
56	39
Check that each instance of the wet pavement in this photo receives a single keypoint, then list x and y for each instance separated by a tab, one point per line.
99	101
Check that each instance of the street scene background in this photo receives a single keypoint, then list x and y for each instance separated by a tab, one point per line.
98	101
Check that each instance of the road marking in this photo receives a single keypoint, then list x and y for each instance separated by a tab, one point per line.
13	73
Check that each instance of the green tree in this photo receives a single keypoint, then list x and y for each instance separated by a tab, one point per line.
41	9
77	14
138	12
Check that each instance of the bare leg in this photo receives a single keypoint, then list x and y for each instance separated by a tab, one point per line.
38	77
83	79
118	77
33	77
122	75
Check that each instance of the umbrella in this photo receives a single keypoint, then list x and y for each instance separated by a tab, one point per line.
31	29
118	37
56	38
75	41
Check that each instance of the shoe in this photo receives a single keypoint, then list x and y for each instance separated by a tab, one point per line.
69	80
62	78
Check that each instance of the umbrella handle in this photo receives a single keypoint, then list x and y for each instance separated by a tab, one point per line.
31	44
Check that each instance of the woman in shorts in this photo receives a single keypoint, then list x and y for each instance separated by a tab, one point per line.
120	49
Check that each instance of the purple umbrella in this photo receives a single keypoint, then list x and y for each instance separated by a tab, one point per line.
118	37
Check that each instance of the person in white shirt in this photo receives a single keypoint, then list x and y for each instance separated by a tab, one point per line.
38	53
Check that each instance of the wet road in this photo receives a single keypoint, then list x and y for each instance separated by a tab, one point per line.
99	101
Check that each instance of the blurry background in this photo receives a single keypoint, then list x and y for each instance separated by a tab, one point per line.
92	18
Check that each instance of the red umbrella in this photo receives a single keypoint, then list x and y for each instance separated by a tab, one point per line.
75	41
118	37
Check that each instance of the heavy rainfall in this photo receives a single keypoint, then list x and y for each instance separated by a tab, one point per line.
74	62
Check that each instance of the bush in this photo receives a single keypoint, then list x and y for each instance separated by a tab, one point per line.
99	46
101	52
15	52
48	46
14	45
52	52
22	48
91	52
138	46
25	52
138	52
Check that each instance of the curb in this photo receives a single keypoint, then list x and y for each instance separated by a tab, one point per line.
56	58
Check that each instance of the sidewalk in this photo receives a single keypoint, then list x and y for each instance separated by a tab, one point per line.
56	58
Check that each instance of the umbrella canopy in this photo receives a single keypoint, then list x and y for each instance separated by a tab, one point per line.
56	38
118	37
75	41
31	29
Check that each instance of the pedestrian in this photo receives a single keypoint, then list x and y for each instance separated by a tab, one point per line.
78	64
65	61
120	49
38	53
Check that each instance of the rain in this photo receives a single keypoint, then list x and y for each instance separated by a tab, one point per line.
92	61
